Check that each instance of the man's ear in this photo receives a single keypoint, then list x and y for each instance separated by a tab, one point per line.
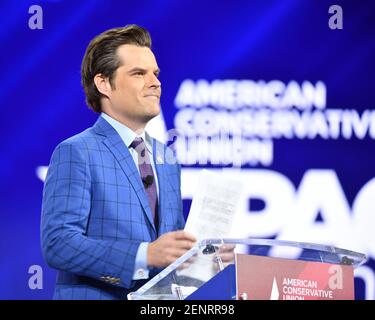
102	84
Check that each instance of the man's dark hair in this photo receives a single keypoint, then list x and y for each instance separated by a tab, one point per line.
101	57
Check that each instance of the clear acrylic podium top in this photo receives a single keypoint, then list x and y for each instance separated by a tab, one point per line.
202	262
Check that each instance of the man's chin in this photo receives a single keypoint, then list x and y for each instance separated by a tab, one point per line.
154	111
151	115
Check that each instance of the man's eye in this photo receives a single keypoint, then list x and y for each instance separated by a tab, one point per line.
139	73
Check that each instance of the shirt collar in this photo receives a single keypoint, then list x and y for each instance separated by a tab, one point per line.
128	135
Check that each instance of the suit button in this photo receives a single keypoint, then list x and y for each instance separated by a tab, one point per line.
141	272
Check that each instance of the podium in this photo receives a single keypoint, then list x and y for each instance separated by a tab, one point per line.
262	269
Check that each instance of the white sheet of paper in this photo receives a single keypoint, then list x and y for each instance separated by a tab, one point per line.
214	205
211	215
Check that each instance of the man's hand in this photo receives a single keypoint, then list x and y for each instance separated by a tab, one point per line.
169	247
226	253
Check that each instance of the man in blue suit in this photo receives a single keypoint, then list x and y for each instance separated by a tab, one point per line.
112	209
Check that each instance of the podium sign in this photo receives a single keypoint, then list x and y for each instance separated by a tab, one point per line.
319	272
264	278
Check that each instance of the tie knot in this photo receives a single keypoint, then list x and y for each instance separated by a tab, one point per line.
138	146
136	142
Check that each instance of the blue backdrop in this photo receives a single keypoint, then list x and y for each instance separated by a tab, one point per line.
273	45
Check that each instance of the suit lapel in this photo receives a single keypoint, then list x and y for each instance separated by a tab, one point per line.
120	151
158	155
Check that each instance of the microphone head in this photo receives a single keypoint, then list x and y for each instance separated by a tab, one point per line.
147	181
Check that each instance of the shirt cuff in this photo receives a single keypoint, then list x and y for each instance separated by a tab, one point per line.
140	268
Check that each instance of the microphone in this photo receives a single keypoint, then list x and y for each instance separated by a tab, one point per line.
209	249
148	181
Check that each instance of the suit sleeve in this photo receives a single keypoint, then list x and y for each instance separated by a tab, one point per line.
65	215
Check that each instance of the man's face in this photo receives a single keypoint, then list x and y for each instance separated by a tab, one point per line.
136	90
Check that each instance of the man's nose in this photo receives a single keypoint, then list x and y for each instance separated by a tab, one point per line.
153	81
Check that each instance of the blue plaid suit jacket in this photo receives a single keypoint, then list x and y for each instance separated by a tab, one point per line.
95	213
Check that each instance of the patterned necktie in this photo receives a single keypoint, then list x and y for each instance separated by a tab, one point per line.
147	175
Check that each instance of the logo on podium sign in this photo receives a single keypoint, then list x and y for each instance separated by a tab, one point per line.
267	278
